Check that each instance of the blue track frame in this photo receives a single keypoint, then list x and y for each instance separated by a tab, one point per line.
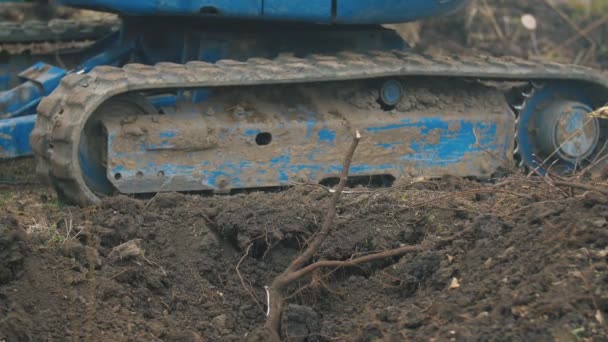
312	11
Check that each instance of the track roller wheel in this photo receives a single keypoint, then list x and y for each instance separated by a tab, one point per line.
555	132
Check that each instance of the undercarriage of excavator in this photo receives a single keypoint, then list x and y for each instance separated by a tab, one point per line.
252	108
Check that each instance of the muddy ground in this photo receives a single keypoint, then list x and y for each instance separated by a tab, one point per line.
179	267
533	266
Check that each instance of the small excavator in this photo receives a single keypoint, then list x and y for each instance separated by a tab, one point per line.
218	95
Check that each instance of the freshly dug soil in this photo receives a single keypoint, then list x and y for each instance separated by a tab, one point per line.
193	268
533	266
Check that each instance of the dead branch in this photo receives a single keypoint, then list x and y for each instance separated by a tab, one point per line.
280	282
353	262
586	31
581	186
320	237
427	245
243	283
301	266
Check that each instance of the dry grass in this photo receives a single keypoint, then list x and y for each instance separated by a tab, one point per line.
39	214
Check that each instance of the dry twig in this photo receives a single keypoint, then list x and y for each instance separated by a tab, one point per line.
581	186
280	283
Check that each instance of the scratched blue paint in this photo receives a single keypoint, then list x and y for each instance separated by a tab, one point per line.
283	159
327	135
444	154
283	176
310	127
313	153
167	134
285	164
390	145
404	123
38	80
252	132
14	136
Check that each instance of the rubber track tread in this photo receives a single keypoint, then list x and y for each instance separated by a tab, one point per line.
56	30
60	120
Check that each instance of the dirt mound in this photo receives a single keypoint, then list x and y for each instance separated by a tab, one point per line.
532	267
538	277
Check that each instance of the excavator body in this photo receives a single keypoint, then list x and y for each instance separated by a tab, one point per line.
217	95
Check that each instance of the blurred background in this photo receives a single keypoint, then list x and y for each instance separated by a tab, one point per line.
571	31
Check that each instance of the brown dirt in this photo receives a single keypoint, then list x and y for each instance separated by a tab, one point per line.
533	267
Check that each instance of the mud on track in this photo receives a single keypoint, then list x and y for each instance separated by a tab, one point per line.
533	267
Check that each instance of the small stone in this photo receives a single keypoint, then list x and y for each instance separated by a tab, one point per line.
454	284
484	315
127	250
219	322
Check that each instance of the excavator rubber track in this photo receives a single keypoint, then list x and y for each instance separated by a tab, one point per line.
56	30
38	36
63	114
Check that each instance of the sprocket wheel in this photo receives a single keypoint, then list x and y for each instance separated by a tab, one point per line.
555	132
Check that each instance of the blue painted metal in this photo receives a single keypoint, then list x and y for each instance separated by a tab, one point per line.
5	77
112	55
534	147
14	136
197	150
391	93
141	41
207	46
183	152
301	10
232	8
393	11
40	79
569	132
314	11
